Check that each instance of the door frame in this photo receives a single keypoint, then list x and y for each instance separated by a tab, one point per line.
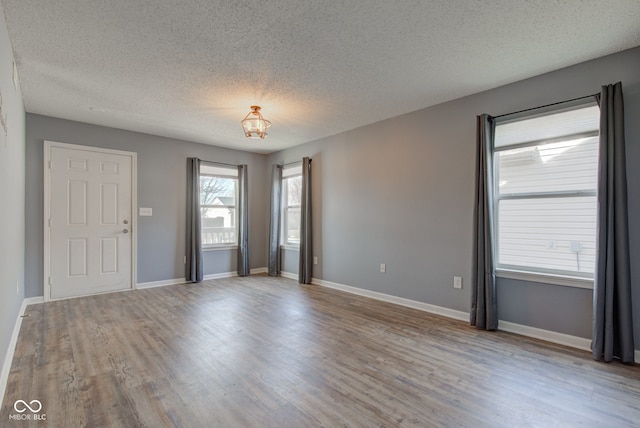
48	145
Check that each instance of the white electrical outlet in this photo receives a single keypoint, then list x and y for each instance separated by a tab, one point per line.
315	260
383	268
457	282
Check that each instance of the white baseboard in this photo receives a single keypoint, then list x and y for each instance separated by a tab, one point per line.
33	300
163	283
8	357
576	342
289	275
547	335
426	307
175	281
219	275
255	271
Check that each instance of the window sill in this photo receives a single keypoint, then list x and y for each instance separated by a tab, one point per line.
545	278
290	247
220	247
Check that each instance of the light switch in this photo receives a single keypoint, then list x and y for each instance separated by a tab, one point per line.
146	212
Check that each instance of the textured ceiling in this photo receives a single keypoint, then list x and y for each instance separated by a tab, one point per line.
190	69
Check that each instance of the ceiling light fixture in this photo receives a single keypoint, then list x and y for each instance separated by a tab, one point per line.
254	125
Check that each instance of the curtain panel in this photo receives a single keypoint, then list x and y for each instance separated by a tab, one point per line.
612	314
244	267
306	242
194	268
274	225
484	308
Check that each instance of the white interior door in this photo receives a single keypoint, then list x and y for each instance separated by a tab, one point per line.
90	221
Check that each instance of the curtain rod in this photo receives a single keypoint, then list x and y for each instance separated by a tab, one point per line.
291	163
548	105
218	163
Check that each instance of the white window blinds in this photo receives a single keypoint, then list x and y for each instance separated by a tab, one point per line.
545	192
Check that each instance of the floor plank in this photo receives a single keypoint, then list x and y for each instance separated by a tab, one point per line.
267	352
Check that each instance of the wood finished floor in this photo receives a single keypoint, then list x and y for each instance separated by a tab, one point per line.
267	352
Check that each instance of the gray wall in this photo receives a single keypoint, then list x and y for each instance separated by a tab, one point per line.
12	196
161	186
400	192
290	259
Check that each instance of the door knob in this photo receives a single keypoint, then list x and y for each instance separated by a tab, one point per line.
126	222
125	231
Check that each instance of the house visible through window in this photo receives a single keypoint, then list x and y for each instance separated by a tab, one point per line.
291	196
545	182
218	195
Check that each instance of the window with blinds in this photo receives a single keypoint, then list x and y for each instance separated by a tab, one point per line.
218	195
291	197
545	169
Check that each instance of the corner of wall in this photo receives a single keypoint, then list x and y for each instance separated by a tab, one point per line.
12	195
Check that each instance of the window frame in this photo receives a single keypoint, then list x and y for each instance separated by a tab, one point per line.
288	172
227	172
527	273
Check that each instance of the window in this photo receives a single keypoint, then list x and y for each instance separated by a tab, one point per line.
545	181
218	195
291	197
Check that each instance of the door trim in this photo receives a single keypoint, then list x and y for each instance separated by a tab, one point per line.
48	145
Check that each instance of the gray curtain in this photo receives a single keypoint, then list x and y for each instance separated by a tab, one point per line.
194	236
244	268
612	316
484	308
306	247
274	226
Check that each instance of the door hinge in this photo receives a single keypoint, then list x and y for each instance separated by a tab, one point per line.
49	281
49	222
49	164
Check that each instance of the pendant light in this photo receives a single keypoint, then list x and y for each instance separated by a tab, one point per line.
254	125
